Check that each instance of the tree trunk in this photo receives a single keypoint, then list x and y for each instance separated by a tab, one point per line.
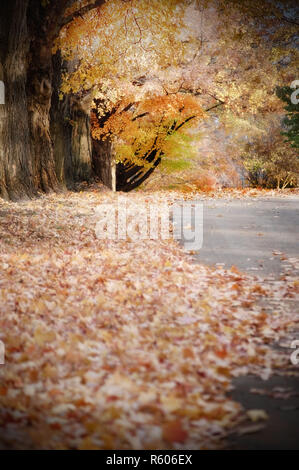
39	92
102	160
26	158
80	166
61	129
70	130
16	165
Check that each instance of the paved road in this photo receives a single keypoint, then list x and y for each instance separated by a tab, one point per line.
245	233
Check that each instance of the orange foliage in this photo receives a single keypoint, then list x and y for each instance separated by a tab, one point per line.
146	126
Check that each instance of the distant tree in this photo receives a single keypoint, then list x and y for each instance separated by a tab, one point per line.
271	162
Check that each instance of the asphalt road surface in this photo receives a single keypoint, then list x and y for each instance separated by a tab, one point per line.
245	233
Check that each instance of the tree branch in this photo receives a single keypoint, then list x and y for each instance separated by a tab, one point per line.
212	107
140	116
82	11
183	123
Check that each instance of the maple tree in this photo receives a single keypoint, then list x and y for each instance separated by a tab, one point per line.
123	40
140	123
153	130
201	48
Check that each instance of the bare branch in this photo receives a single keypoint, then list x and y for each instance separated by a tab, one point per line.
215	106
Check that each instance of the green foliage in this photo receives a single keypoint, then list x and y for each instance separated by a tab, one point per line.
179	152
168	165
291	121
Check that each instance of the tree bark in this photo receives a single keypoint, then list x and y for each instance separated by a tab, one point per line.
39	91
102	161
28	29
70	131
16	164
61	129
26	158
79	167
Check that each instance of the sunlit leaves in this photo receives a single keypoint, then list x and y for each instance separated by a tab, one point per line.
157	124
122	39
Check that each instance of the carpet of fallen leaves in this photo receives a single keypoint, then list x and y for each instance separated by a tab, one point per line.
121	344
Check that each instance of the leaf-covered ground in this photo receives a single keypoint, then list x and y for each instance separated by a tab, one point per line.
122	344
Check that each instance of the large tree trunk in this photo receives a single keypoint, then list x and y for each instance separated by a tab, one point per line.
28	29
16	166
26	151
39	92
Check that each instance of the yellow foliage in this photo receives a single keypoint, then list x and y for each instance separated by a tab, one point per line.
122	40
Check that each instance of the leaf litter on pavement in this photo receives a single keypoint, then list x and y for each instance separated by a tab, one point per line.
124	344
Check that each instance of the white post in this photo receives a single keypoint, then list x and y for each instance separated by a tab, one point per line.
113	174
113	169
2	92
